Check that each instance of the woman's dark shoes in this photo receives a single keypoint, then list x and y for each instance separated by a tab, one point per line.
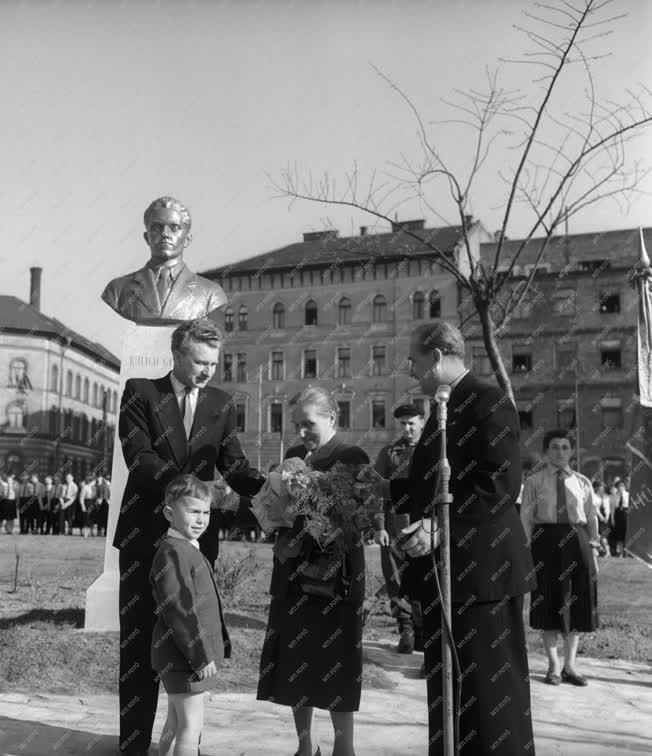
573	678
317	752
552	679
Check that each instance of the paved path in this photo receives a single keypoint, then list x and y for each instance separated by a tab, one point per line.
613	715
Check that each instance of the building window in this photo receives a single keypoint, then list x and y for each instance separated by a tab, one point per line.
380	309
240	417
69	383
94	394
378	354
276	417
310	363
566	414
344	311
16	415
76	428
277	366
54	378
84	429
344	415
480	360
612	415
565	357
344	362
243	315
610	304
418	301
311	312
78	386
435	305
525	419
610	359
17	372
588	266
378	414
227	368
278	316
521	363
53	416
87	388
242	367
228	319
115	402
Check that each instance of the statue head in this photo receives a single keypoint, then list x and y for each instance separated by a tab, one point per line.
167	229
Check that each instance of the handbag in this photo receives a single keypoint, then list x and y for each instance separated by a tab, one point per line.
325	574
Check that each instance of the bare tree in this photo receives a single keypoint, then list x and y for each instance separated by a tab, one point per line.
564	161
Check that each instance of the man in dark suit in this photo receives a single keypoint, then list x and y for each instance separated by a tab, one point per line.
167	426
491	568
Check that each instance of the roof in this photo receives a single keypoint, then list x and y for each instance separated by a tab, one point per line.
17	316
620	247
333	249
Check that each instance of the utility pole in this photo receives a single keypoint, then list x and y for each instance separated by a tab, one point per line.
60	424
260	413
105	434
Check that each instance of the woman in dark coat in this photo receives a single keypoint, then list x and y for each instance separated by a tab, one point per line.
312	653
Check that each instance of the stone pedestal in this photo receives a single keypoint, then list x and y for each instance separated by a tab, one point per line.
146	353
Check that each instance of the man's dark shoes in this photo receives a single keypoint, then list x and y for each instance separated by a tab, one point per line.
317	752
418	640
405	640
573	678
552	679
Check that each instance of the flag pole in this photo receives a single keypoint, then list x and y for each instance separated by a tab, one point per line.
578	454
260	415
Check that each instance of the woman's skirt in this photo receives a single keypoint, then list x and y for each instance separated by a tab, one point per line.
566	596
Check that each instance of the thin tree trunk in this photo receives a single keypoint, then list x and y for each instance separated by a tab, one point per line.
491	345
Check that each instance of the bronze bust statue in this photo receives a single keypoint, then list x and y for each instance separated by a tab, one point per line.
165	290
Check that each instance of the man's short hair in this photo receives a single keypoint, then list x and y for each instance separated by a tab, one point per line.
168	203
187	485
407	410
442	335
202	330
551	435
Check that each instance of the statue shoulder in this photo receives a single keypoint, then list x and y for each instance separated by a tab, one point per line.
217	297
116	285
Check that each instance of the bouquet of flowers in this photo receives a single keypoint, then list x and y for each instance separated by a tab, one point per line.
330	511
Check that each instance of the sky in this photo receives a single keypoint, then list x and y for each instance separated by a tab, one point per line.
107	105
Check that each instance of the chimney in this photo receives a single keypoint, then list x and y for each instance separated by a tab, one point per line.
363	230
35	287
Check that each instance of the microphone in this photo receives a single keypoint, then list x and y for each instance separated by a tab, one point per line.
442	396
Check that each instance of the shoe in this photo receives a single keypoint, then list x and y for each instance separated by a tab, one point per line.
317	752
418	641
422	672
552	679
573	678
406	640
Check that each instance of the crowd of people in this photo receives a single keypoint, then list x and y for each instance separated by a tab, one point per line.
54	506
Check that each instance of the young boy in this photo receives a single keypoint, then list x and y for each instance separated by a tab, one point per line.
190	638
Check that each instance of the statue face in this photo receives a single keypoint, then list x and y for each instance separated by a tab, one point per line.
167	235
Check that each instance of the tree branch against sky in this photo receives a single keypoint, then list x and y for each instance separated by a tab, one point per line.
556	158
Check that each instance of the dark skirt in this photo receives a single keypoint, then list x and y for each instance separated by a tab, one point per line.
495	713
8	509
312	652
566	596
619	531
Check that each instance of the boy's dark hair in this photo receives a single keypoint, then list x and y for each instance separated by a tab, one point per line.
187	485
551	435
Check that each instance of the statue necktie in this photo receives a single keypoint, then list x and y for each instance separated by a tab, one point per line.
164	283
562	509
186	411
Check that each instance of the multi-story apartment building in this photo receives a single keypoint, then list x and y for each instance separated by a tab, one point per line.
571	346
58	393
336	312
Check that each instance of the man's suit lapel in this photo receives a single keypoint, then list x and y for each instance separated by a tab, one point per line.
202	420
141	287
183	290
171	422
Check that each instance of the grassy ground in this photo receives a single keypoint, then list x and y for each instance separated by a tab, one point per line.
41	636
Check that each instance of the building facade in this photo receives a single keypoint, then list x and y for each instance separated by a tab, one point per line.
337	312
571	346
58	393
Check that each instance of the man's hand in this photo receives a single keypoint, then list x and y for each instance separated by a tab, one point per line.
210	670
370	483
381	537
418	543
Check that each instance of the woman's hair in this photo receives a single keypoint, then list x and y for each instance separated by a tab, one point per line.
323	400
551	435
202	330
187	485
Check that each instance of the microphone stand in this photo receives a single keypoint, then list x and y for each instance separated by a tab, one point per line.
443	500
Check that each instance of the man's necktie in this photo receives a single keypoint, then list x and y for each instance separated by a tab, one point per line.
186	410
562	509
164	283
